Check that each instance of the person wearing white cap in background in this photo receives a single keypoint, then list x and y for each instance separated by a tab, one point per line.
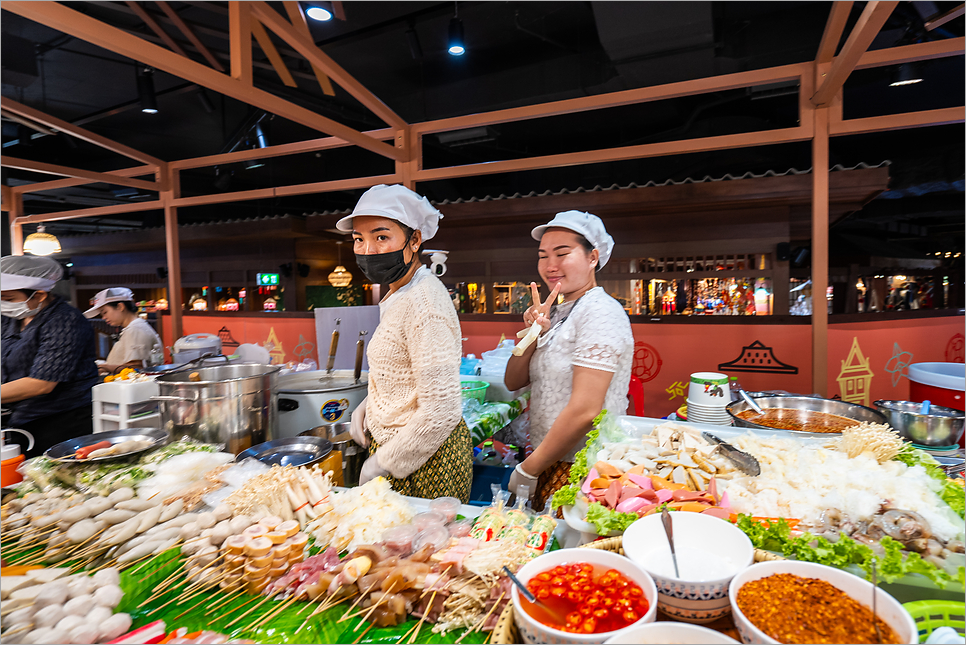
581	362
139	345
413	411
47	365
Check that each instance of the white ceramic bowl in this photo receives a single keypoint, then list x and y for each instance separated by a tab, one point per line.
887	607
686	600
532	631
668	632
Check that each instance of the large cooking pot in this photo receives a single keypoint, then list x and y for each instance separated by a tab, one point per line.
804	405
310	399
233	404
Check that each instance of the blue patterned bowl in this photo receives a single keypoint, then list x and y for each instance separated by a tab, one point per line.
700	595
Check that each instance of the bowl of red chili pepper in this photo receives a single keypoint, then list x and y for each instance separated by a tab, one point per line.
803	602
585	596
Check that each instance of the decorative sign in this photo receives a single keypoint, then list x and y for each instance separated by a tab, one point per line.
274	347
855	378
898	363
266	279
227	340
304	348
647	362
758	358
954	349
677	389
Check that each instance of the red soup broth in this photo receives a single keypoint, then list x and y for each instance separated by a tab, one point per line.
592	598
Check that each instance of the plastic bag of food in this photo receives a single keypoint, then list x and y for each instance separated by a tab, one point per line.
181	471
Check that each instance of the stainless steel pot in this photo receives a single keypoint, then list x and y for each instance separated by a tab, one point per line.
830	406
235	405
940	427
310	399
353	455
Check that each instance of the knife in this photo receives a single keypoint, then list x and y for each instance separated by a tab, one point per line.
746	463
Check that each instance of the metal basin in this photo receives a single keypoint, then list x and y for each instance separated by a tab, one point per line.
353	455
807	404
941	427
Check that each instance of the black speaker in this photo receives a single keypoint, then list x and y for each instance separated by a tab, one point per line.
162	273
783	251
303	270
285	269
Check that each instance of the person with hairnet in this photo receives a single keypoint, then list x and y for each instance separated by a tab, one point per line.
139	345
581	362
47	365
413	412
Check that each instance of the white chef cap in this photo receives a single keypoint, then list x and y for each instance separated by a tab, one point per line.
101	298
590	226
29	272
397	203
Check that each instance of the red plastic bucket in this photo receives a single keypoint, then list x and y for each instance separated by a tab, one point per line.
941	383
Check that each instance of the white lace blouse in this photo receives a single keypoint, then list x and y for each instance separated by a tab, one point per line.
594	332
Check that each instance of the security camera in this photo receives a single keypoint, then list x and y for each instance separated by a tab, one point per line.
438	260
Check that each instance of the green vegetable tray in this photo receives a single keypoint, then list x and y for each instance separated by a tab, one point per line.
930	615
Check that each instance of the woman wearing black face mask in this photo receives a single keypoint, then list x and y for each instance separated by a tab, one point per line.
413	412
47	350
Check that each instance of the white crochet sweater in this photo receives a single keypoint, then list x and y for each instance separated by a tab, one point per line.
414	400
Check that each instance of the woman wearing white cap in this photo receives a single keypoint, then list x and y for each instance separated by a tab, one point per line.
581	363
413	411
139	345
47	354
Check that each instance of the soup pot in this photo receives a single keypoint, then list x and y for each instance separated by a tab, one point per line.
854	411
307	400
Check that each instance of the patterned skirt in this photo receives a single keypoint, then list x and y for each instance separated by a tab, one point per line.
550	481
448	473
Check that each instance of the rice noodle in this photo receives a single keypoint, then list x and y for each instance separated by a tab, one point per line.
360	515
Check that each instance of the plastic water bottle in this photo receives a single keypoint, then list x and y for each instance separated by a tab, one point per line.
735	387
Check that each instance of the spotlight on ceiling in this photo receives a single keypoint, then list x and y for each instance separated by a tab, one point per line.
906	74
261	141
455	45
254	163
145	78
318	12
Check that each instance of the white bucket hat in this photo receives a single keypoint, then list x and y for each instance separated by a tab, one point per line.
29	272
590	226
114	294
397	203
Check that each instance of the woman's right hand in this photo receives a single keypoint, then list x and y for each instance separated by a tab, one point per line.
357	425
539	312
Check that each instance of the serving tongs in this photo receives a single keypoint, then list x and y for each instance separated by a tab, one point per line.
742	460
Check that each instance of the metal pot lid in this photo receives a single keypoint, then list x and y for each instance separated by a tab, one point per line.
320	381
291	451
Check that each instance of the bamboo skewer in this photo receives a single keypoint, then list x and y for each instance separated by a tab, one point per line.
345	616
232	596
419	625
266	599
422	595
373	608
479	625
244	604
275	611
192	593
363	634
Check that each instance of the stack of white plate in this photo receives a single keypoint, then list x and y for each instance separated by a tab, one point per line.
708	396
714	415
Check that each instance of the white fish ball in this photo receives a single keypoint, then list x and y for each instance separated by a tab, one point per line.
42	635
114	626
109	596
84	635
189	531
52	593
69	622
206	520
79	606
21	616
106	577
48	616
222	512
98	615
240	523
80	587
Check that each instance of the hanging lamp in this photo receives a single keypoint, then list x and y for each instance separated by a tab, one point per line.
41	243
340	277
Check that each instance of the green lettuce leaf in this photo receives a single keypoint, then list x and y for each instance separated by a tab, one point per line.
566	496
605	520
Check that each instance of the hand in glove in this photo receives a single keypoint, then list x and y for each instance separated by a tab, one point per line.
357	425
371	469
522	477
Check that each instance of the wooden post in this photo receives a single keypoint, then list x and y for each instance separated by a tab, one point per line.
16	228
240	31
410	143
172	183
820	251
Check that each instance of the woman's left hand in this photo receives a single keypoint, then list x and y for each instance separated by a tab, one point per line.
521	477
371	469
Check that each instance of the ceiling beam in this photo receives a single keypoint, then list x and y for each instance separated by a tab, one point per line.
76	131
36	127
120	209
240	43
301	24
62	18
69	183
870	23
922	119
6	198
908	53
287	32
155	27
338	10
941	19
265	42
64	171
190	35
837	18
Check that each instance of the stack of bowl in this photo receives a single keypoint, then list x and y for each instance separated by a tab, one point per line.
708	396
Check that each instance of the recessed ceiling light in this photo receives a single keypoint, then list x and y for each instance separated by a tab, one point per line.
319	13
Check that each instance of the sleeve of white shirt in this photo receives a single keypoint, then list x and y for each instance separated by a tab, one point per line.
600	342
137	342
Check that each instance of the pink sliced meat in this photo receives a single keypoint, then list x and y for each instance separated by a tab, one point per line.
713	489
640	480
591	476
628	493
717	512
664	495
642	511
689	496
632	505
613	494
649	495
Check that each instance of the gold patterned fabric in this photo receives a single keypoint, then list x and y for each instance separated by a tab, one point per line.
448	473
550	481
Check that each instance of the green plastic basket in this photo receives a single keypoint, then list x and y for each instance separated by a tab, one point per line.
474	389
930	615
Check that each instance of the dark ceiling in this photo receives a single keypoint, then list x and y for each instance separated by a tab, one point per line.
518	53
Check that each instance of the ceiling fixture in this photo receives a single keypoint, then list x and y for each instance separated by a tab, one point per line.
41	243
415	48
340	277
261	141
906	74
145	78
318	12
455	45
251	164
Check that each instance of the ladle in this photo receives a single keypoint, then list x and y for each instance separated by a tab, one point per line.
560	620
750	401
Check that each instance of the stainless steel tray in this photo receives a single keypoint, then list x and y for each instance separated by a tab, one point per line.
831	406
64	451
291	451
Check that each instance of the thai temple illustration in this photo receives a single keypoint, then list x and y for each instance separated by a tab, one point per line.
855	378
274	347
757	357
227	340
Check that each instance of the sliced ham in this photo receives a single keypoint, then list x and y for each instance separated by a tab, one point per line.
717	512
613	494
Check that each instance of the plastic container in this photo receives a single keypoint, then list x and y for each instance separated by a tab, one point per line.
930	615
448	506
460	529
437	535
428	519
474	389
400	538
941	383
11	458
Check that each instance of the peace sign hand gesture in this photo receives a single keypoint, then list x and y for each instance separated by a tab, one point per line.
539	312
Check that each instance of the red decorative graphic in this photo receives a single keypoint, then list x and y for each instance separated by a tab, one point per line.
647	362
954	349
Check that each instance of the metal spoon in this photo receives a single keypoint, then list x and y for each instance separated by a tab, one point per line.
666	521
529	596
750	401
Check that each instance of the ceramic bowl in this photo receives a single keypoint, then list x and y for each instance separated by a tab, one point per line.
532	631
709	388
887	607
692	601
668	632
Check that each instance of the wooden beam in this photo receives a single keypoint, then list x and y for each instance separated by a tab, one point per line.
6	198
941	19
16	224
288	191
299	40
922	119
240	41
725	142
119	209
50	169
68	183
265	42
62	18
172	248
224	198
837	18
338	10
190	35
820	195
36	127
908	53
155	27
870	22
301	24
77	131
